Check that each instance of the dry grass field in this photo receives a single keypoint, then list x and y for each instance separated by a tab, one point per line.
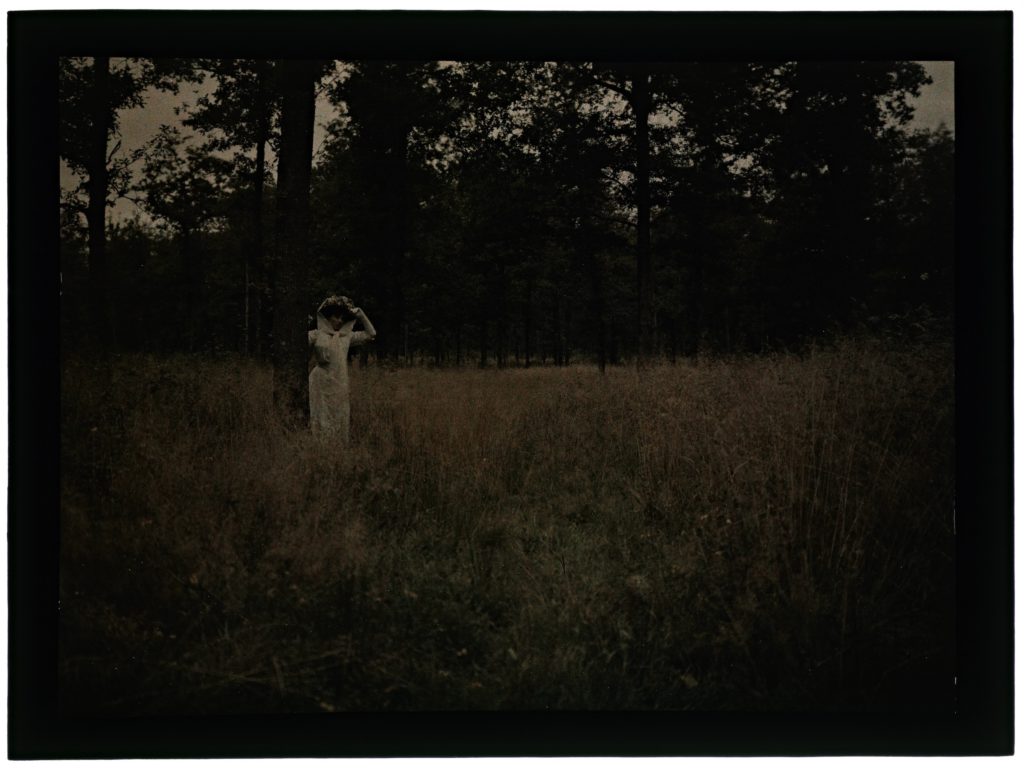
757	533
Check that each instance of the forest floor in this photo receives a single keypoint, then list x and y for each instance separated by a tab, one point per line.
764	533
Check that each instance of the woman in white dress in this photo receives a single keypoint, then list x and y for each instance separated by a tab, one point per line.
328	381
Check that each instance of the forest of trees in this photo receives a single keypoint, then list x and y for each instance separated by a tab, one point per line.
724	483
504	213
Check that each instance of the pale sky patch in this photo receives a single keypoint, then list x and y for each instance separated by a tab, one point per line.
138	125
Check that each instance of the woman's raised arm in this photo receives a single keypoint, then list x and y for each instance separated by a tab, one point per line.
369	333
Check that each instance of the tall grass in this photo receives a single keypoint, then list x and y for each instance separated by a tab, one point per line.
757	533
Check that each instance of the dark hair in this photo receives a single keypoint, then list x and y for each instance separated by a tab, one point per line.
336	306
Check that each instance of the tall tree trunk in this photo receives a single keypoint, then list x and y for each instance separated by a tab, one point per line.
528	321
587	256
290	266
258	323
501	342
641	101
192	276
483	342
598	303
96	211
395	208
559	330
695	308
695	289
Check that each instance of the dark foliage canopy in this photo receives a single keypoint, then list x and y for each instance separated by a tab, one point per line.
498	212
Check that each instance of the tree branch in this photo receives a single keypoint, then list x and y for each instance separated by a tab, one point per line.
77	207
624	92
114	151
671	105
613	180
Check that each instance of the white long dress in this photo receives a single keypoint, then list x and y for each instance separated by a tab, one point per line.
328	381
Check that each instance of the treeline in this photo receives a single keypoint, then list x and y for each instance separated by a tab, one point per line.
508	213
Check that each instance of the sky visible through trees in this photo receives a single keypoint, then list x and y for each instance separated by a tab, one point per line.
509	213
933	107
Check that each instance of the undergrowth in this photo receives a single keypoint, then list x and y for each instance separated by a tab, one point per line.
759	533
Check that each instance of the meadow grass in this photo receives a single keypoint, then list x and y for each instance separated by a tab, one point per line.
764	533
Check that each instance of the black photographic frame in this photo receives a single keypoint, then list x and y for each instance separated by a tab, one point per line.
980	45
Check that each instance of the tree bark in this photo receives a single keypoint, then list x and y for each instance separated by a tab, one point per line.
191	270
501	342
96	212
640	97
528	321
598	303
400	224
258	324
699	245
559	349
290	266
483	342
695	305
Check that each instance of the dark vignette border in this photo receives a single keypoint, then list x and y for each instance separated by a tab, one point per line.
980	43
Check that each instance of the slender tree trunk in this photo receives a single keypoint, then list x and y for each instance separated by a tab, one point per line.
528	321
559	359
395	208
641	101
695	303
483	342
96	212
598	302
260	325
501	332
588	258
290	267
191	271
